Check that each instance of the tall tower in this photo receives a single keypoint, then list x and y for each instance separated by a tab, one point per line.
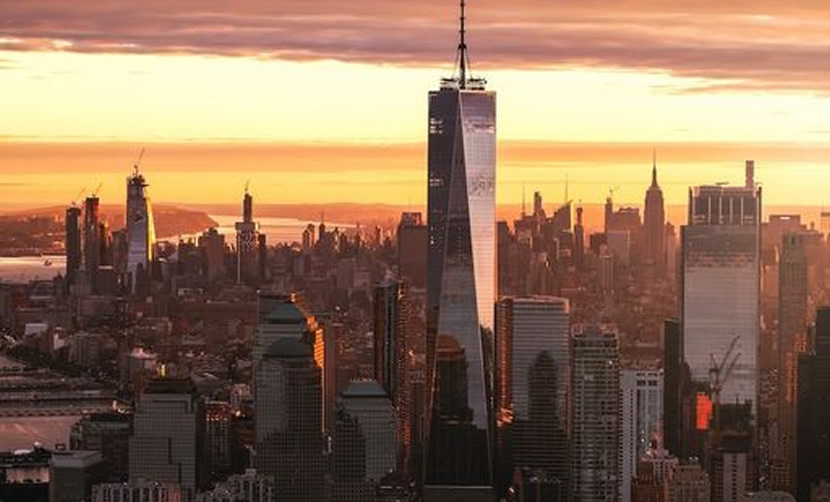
92	238
289	420
391	323
642	408
247	269
532	375
792	331
461	284
73	243
141	230
596	414
655	222
721	288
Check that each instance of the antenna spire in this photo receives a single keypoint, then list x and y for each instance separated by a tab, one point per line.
462	48
654	168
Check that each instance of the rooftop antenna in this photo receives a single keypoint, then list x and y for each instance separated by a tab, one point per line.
78	197
462	49
97	189
247	186
523	201
654	167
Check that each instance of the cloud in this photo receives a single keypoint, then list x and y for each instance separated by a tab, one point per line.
757	45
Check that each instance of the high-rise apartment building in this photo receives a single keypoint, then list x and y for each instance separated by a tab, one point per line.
392	346
461	283
532	375
642	408
141	232
168	436
289	420
720	294
92	237
596	414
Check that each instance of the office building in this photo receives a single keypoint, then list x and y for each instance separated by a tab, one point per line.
72	475
532	375
720	294
596	414
654	221
792	334
168	436
673	370
412	249
141	232
813	401
461	285
289	420
73	243
368	403
217	439
642	405
285	316
392	348
109	433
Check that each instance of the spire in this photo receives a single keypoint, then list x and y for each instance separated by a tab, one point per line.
462	48
654	169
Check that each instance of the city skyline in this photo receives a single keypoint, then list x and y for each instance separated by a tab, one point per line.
585	94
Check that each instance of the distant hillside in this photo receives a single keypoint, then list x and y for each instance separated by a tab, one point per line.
171	221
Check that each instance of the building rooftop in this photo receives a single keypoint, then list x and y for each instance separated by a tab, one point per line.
288	347
364	388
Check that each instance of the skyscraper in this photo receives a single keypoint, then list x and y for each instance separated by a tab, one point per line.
369	404
284	316
792	326
596	414
461	284
391	311
247	268
813	439
533	370
720	294
642	409
654	222
168	436
141	230
92	238
289	420
73	243
412	249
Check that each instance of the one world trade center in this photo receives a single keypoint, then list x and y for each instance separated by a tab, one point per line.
461	285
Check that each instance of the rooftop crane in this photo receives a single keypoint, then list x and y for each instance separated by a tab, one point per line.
137	162
78	197
97	189
719	374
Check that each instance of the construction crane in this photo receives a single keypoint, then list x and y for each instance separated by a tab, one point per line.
78	197
97	189
719	374
137	162
612	191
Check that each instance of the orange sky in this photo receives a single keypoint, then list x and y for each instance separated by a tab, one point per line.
326	101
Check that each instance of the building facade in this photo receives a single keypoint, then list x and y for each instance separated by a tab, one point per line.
461	282
642	407
720	294
596	414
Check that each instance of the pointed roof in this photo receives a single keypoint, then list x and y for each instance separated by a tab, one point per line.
654	183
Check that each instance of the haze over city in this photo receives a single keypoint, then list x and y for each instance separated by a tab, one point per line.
330	95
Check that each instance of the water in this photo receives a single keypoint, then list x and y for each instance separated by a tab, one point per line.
276	230
21	269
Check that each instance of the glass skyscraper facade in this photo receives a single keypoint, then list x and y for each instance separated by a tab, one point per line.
461	284
141	230
721	290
